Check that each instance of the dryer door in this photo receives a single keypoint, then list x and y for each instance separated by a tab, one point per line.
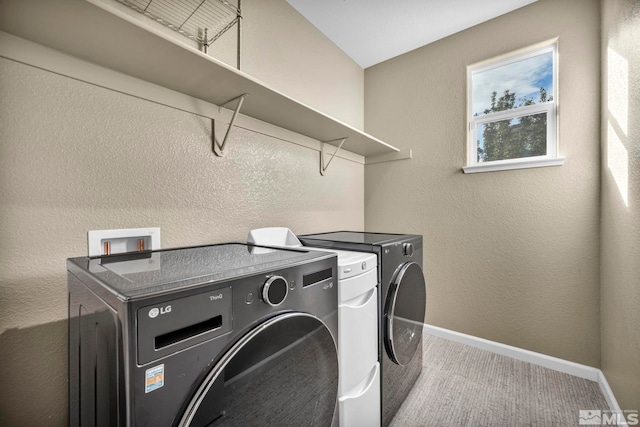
404	313
283	372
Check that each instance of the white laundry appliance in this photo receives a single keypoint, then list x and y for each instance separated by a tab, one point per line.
358	358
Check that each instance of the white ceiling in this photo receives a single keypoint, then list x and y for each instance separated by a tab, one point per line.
372	31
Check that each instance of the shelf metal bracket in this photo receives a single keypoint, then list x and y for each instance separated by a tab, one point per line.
218	149
323	167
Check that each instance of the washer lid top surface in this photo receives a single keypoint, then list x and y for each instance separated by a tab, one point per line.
131	275
356	237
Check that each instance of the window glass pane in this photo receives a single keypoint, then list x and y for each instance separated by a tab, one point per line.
515	138
525	82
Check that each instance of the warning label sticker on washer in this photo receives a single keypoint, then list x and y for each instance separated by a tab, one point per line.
153	378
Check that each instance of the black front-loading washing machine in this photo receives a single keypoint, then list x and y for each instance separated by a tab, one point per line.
402	304
220	335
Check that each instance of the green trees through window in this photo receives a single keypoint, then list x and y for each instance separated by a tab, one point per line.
515	138
512	110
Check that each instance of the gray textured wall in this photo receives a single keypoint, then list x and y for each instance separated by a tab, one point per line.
76	157
620	266
510	256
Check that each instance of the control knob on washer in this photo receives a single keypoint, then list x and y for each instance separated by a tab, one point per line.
407	249
275	290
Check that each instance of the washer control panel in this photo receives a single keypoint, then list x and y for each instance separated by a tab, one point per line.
173	325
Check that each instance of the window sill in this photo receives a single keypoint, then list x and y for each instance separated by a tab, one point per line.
514	164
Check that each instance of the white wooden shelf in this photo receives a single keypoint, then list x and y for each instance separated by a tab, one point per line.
97	33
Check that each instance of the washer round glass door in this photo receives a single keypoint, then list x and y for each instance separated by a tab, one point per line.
404	313
283	372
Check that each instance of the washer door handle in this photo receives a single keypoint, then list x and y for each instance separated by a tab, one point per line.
404	313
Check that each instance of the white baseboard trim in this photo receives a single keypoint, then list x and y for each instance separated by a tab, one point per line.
571	368
610	398
557	364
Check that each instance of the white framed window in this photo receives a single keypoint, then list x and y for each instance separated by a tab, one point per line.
512	111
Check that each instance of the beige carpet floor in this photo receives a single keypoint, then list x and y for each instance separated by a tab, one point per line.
465	386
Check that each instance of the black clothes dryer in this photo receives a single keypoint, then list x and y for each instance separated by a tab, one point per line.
220	335
402	304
